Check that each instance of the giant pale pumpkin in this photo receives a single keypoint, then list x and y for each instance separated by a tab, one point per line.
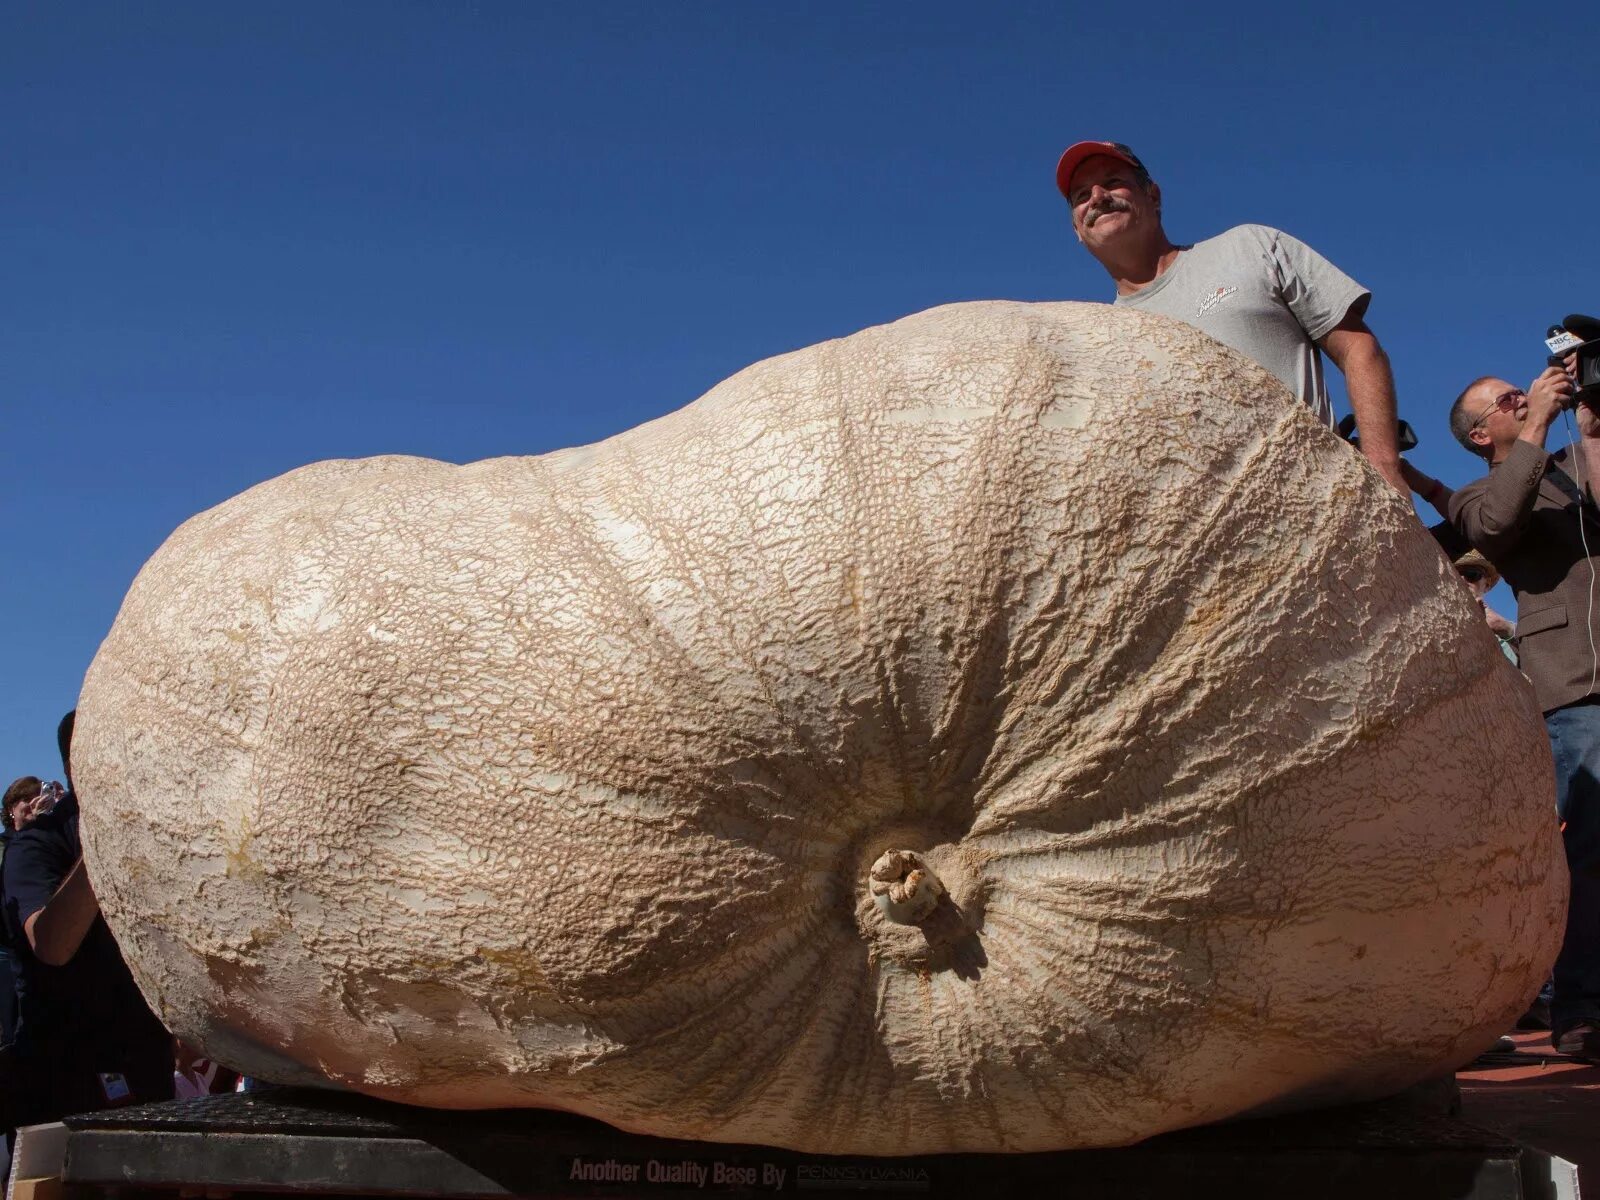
1016	727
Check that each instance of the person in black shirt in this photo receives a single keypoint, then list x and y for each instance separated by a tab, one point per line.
16	814
85	1039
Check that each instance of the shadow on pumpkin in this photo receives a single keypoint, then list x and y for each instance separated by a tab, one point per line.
953	942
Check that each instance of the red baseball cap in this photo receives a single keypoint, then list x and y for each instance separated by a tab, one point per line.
1074	155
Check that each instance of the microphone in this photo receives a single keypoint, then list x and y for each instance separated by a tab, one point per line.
1585	328
1561	340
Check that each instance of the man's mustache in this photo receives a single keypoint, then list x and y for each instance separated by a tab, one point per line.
1110	205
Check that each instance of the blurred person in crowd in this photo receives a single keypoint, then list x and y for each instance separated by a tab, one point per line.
85	1037
1534	516
25	800
194	1075
1256	289
17	811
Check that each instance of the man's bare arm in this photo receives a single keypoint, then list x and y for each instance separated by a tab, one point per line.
57	930
1428	488
1354	349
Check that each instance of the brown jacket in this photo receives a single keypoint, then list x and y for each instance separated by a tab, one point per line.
1528	525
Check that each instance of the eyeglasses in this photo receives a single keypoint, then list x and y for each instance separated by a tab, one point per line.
1504	402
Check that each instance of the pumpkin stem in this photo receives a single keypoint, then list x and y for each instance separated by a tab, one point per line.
904	887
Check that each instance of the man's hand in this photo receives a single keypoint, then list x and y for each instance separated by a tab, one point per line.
1389	469
1548	395
1584	412
1502	627
1369	381
1588	421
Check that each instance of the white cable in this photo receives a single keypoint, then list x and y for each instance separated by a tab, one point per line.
1583	537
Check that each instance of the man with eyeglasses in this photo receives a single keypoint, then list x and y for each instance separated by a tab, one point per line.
1534	517
1265	294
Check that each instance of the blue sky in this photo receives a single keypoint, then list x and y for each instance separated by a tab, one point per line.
244	237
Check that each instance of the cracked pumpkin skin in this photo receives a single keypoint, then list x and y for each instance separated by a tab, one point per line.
598	780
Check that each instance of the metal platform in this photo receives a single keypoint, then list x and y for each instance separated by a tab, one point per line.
327	1143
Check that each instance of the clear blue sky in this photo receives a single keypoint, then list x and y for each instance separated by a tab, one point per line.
242	237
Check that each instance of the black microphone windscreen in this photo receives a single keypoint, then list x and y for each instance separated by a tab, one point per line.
1588	328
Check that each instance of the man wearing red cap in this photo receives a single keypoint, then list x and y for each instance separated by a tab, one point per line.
1254	288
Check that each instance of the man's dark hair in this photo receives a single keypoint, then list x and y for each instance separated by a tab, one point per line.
64	740
1462	422
22	789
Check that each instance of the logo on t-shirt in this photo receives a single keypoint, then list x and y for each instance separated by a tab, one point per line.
1213	298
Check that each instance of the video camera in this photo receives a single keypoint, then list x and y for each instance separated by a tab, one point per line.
1405	436
1580	334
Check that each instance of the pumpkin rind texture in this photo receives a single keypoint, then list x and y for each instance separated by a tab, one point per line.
561	781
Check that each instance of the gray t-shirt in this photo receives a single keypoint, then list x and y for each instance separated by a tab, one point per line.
1266	294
